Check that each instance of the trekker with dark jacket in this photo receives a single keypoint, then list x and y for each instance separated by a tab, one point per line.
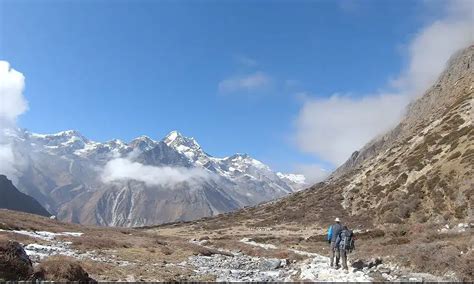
333	233
345	243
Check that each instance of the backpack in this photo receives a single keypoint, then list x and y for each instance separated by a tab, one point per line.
329	233
347	241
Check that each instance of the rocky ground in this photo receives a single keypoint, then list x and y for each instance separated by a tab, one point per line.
176	253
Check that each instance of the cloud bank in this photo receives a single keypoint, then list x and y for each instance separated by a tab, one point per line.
12	105
313	173
123	169
334	127
250	82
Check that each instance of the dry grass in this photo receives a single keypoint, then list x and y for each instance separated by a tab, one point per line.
61	268
13	265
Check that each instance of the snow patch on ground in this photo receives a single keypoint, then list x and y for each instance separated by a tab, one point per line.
37	252
43	235
252	243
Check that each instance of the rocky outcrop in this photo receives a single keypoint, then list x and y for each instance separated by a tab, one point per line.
14	262
11	198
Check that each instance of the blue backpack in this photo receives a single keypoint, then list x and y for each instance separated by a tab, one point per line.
329	233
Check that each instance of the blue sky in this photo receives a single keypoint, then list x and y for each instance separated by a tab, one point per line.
120	69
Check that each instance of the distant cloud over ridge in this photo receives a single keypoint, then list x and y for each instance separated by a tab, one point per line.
332	128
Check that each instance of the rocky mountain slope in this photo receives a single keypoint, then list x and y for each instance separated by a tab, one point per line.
65	173
11	198
421	171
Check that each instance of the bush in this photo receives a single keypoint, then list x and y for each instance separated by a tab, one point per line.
391	218
96	242
14	262
61	268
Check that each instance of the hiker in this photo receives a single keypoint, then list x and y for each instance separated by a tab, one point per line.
333	233
345	244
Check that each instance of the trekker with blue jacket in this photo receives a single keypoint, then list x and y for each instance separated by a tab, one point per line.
333	233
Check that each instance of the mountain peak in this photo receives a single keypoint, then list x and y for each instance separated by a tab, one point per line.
176	139
172	136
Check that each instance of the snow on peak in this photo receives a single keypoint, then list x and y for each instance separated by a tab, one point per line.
186	146
296	178
143	143
181	143
144	138
61	134
172	136
244	161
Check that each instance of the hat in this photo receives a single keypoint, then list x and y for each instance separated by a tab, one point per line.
337	220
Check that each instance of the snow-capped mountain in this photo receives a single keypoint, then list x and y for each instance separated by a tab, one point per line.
65	173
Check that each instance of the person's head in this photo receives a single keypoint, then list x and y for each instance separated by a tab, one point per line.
344	227
337	220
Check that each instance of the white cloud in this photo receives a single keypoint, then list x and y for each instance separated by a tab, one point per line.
250	82
12	105
122	169
246	61
313	172
334	127
433	46
12	102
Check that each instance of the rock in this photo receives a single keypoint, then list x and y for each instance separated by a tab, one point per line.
358	264
14	262
374	262
270	264
384	270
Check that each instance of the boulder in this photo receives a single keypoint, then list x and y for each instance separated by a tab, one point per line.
14	262
358	264
270	264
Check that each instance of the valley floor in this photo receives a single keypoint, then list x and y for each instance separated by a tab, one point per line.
183	252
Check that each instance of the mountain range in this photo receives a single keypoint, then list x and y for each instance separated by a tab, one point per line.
142	182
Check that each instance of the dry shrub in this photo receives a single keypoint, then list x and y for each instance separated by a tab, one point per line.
14	262
397	241
461	211
439	258
372	234
391	218
25	240
96	242
159	241
61	268
4	226
166	250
